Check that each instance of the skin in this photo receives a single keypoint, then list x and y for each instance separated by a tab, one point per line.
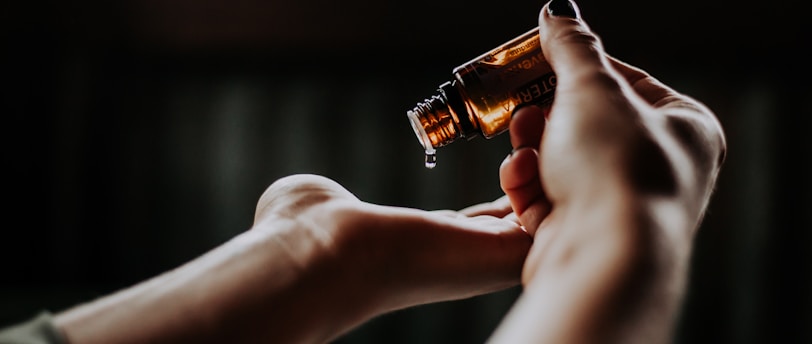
316	263
609	185
612	181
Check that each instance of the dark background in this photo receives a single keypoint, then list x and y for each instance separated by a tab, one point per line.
139	134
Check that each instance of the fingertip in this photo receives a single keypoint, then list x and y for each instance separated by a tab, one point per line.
514	218
519	178
562	8
527	126
499	207
568	44
518	168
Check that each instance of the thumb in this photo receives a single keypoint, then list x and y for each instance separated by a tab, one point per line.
570	47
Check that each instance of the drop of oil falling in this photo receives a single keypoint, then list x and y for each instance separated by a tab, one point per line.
431	158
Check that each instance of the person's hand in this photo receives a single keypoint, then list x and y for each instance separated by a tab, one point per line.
316	263
612	180
380	258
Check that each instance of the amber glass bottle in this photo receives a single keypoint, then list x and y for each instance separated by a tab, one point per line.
483	93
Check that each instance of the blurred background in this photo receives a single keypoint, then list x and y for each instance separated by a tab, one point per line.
139	135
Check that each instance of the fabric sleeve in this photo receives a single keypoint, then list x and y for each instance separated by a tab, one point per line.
39	329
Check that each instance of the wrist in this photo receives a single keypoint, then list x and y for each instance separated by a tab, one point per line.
254	286
295	271
335	286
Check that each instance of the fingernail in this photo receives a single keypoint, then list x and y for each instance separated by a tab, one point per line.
562	8
517	149
522	106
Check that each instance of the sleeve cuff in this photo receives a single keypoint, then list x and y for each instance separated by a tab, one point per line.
37	330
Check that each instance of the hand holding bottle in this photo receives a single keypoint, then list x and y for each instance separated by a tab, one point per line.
612	180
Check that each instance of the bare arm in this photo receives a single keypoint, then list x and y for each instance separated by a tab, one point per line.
316	263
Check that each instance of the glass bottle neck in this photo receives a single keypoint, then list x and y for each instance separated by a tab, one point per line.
441	119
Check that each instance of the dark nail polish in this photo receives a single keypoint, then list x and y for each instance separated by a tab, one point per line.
562	8
522	105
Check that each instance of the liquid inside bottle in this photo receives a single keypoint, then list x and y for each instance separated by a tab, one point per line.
484	92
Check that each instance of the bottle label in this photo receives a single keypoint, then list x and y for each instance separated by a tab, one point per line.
538	91
501	80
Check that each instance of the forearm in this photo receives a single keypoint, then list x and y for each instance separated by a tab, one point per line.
250	289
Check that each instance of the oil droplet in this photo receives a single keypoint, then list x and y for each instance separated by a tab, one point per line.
431	159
